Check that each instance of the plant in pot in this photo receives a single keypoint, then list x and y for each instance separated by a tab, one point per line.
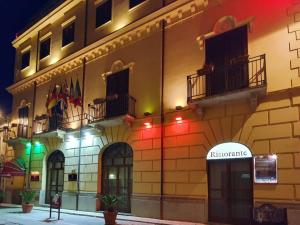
28	197
110	204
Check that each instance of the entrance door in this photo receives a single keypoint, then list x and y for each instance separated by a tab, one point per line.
117	174
117	94
230	191
55	175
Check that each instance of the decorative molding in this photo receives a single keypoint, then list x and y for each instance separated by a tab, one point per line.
117	66
225	23
172	14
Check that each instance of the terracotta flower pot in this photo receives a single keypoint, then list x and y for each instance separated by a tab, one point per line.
27	208
110	217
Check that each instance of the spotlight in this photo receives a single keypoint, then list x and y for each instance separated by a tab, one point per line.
147	124
178	119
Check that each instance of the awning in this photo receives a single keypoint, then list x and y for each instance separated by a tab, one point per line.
11	169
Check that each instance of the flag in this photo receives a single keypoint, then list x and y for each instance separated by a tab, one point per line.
53	98
48	97
71	93
62	97
77	95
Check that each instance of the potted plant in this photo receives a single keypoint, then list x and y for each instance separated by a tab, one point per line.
28	197
110	204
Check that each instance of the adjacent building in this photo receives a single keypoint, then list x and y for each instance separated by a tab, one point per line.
184	109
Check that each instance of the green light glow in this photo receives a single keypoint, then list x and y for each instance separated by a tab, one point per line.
37	144
28	144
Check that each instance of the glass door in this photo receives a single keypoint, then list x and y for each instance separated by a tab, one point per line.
55	175
117	174
230	191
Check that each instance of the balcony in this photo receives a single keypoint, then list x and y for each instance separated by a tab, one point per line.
112	111
242	78
49	126
16	133
58	125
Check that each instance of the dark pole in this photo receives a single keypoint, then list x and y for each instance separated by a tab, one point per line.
85	23
31	138
80	132
162	120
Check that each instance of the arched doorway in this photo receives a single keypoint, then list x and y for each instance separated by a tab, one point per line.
117	174
55	175
230	184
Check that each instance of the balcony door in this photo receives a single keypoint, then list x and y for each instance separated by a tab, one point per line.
117	93
23	122
226	54
117	174
55	175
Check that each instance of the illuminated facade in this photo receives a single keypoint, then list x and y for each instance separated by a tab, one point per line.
107	85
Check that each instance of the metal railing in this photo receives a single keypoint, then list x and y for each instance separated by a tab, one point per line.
240	73
112	106
48	123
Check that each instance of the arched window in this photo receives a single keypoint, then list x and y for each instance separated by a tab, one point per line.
117	173
55	174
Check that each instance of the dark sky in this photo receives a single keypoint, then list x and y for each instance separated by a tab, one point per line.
14	16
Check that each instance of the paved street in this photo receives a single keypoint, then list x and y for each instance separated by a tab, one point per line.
14	216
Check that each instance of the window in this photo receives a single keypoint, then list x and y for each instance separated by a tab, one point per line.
133	3
45	48
68	34
25	59
103	13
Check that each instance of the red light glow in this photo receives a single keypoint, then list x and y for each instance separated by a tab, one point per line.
178	119
147	124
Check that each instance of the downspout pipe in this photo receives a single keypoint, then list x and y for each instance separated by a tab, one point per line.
80	132
31	135
162	120
82	108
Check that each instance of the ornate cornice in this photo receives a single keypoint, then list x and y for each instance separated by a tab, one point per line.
172	14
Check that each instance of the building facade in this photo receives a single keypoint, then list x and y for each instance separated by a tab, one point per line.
184	109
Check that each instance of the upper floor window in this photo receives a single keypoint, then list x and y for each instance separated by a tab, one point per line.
103	13
68	34
133	3
45	47
25	59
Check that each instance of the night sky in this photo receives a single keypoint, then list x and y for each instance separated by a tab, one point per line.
14	16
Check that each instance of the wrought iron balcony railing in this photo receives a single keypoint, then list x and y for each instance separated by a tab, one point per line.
45	123
49	123
240	73
112	106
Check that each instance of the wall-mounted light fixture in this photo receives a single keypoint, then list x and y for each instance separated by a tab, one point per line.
147	114
35	176
178	107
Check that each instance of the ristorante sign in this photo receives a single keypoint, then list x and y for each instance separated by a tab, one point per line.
229	150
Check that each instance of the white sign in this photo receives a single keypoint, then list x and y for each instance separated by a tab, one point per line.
229	150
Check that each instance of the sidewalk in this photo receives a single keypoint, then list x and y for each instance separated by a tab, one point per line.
11	214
